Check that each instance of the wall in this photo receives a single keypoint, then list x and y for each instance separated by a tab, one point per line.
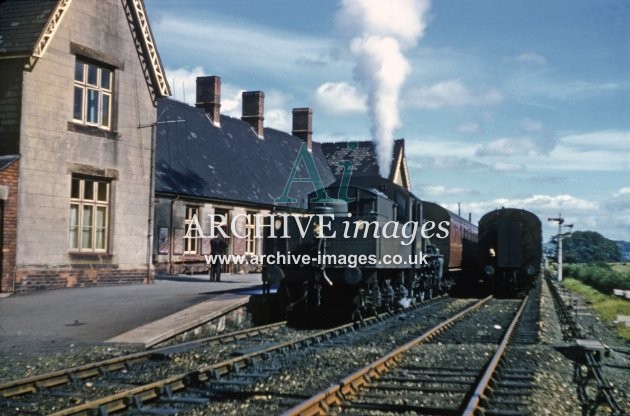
8	224
52	148
170	215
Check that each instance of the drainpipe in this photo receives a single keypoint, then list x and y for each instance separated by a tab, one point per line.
170	233
151	205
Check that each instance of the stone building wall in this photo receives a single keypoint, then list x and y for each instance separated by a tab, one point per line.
54	148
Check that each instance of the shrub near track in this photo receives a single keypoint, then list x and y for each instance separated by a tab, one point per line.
600	276
608	307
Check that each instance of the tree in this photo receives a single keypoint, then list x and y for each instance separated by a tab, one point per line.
589	247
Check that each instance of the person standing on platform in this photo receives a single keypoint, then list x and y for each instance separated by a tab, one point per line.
217	248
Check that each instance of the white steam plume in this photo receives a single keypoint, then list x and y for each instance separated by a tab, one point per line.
381	30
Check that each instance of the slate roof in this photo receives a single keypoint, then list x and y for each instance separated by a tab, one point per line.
21	23
5	161
363	158
194	158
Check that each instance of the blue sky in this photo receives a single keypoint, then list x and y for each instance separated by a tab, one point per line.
520	103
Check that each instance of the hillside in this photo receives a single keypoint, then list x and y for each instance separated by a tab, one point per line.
624	248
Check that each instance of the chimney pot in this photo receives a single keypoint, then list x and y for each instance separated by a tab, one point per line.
303	125
254	110
209	97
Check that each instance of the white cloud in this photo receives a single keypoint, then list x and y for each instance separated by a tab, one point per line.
451	93
439	147
503	166
528	125
583	212
231	101
339	98
543	203
184	83
277	114
532	58
441	191
620	201
508	147
238	43
615	140
278	119
469	127
531	86
606	150
444	163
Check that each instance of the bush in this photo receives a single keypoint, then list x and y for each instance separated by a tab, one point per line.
608	307
600	276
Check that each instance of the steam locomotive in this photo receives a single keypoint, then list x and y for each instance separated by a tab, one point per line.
376	247
510	249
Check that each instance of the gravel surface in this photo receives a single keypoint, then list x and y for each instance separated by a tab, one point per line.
555	392
305	374
616	367
295	379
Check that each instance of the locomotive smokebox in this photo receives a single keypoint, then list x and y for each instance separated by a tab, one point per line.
352	276
336	208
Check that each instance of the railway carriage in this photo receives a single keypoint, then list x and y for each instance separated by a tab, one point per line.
510	249
460	249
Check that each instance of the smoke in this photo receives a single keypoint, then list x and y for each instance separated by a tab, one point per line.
380	31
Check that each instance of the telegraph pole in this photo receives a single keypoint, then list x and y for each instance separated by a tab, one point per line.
559	238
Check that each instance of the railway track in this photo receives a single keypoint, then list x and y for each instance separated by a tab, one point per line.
437	373
130	382
45	391
594	390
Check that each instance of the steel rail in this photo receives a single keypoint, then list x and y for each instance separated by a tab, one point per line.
58	378
153	391
478	394
321	403
603	386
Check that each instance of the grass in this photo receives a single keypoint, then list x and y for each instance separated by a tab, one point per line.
608	307
623	268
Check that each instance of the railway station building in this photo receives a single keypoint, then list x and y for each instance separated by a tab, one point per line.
79	84
101	173
209	164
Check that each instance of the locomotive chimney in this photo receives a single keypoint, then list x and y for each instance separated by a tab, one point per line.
209	97
254	110
303	125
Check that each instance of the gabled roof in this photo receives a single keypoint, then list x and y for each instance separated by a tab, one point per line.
229	163
364	160
21	24
28	26
6	161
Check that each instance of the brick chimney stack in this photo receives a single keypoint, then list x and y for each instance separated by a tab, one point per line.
254	110
209	97
303	125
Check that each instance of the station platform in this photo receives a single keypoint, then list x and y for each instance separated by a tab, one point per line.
139	315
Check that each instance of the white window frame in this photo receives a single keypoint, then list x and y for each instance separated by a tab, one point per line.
79	206
191	243
99	88
250	233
